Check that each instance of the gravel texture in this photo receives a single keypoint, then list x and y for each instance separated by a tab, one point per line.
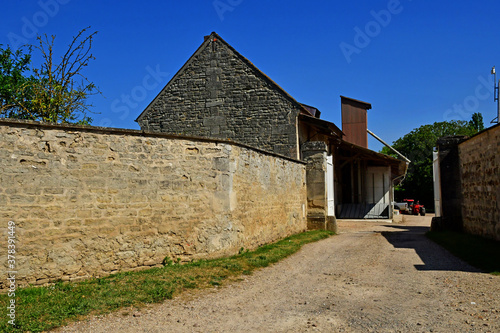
372	277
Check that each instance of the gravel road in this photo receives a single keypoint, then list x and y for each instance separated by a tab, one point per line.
372	277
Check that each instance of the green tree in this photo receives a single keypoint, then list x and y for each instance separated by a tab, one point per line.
56	91
418	146
13	80
476	123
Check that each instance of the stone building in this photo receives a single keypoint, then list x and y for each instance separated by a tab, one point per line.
220	94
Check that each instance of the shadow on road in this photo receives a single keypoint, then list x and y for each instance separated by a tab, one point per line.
434	257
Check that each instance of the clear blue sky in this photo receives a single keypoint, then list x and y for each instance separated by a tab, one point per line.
415	61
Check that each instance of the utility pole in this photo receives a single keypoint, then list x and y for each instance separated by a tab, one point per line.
495	95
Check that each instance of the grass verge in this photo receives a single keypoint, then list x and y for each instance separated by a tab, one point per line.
43	308
477	251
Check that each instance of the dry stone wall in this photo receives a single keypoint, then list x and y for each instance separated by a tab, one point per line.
480	177
90	201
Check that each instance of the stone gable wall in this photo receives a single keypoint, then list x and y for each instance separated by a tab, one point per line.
480	177
90	202
218	95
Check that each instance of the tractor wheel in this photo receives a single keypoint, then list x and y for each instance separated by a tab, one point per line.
422	211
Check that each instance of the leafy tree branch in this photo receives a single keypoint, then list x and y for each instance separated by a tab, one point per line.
418	147
54	92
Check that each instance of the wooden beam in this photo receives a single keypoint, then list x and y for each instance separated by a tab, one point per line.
350	159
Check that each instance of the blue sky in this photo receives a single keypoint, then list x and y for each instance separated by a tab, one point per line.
415	61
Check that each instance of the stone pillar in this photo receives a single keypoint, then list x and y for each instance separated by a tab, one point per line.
451	185
314	154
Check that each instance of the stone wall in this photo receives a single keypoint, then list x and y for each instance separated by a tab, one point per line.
480	178
219	94
93	201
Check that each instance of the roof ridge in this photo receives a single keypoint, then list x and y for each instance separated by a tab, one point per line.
264	75
208	39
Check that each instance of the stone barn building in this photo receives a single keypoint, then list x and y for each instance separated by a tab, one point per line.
220	94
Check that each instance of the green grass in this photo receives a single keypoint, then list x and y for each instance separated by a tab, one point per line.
477	251
44	308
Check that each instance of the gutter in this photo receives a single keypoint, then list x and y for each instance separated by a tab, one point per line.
397	152
389	146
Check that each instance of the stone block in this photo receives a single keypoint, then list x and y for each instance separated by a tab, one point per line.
331	224
221	164
22	199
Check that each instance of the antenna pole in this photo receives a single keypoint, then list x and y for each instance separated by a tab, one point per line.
497	99
496	95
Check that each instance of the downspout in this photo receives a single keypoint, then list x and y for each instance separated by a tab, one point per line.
402	176
297	135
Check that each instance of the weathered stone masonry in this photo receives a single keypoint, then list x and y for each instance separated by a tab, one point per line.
480	181
90	201
219	94
470	184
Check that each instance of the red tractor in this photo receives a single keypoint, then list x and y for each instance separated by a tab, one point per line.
408	206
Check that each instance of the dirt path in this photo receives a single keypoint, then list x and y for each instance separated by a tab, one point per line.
373	277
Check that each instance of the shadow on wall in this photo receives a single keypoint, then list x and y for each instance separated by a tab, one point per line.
435	258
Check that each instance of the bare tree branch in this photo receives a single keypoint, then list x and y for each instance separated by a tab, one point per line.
57	92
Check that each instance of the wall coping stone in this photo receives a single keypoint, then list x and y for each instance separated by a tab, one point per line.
450	141
486	130
314	146
132	132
